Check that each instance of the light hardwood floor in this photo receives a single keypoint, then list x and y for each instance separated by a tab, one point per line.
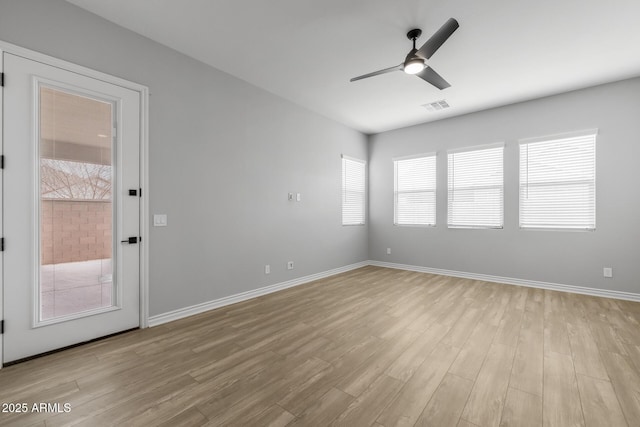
371	347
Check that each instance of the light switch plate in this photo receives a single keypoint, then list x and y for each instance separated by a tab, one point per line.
159	220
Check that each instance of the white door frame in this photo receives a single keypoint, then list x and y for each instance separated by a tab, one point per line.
144	164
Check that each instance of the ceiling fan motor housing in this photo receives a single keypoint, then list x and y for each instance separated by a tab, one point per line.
414	34
415	62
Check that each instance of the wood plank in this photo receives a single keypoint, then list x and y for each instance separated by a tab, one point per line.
187	418
495	311
626	383
586	356
634	356
521	409
627	325
509	329
94	399
126	409
535	300
527	371
359	345
447	403
486	400
360	378
520	296
561	399
24	421
606	337
534	320
241	407
406	364
414	396
556	337
254	363
487	397
553	302
628	306
472	354
274	416
327	408
462	328
226	372
365	409
296	401
599	402
269	385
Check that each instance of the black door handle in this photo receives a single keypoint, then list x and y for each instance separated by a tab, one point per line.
130	240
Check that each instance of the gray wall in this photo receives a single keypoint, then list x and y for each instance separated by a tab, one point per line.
207	126
223	155
571	258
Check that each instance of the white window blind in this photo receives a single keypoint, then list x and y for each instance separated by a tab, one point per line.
558	182
476	190
353	191
415	190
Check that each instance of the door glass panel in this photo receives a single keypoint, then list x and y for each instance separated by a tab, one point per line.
76	206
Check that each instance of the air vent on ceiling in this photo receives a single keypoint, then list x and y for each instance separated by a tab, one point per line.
437	106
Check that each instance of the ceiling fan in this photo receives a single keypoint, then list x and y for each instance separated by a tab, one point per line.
414	63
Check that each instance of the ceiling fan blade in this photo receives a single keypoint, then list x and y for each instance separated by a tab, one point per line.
375	73
430	76
436	40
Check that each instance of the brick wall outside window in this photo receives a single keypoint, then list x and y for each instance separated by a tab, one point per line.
75	230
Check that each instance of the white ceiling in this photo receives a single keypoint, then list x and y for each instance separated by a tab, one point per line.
306	51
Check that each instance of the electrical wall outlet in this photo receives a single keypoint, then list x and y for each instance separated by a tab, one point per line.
298	197
267	269
290	265
388	251
160	220
607	272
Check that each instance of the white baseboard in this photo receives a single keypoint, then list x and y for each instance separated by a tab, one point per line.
232	299
512	281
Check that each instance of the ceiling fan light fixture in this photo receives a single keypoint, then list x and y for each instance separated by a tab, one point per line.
414	66
415	61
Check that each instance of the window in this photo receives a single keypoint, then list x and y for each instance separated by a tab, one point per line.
558	182
353	191
415	190
476	187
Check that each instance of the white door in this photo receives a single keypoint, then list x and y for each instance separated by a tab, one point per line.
71	147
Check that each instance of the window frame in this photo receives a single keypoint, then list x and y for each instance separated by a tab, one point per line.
450	187
345	190
396	192
551	138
